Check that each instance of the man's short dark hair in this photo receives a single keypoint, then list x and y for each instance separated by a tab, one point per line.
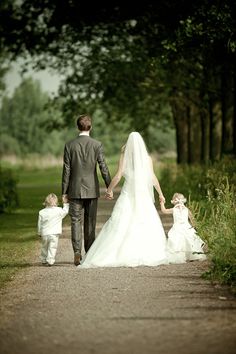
84	122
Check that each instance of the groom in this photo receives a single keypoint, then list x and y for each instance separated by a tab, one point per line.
80	184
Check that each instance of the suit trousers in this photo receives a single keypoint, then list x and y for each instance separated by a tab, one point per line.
77	206
49	248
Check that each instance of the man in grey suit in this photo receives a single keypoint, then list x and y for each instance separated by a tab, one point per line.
80	184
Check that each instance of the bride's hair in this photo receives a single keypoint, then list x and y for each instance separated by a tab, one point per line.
178	198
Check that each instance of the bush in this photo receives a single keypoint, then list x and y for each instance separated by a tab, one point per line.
211	197
216	223
9	145
8	191
188	180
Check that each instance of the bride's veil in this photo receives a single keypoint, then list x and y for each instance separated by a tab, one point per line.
137	168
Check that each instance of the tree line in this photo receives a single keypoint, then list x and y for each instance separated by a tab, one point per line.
158	62
30	123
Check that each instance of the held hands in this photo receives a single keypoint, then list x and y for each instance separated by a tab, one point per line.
64	198
162	199
109	195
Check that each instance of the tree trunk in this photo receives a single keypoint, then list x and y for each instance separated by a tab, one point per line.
215	111
234	114
205	128
227	108
195	135
215	130
181	125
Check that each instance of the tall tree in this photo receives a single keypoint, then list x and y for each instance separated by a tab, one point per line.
24	119
170	52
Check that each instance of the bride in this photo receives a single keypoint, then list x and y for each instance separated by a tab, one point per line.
133	235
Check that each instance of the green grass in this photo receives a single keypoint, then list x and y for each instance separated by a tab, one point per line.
18	233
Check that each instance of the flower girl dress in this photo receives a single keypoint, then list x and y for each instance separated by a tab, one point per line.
183	243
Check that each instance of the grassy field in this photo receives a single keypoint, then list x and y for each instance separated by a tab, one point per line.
18	230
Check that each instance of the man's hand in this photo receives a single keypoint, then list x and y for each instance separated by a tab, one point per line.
64	198
109	195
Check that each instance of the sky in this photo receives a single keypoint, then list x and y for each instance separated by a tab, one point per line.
49	81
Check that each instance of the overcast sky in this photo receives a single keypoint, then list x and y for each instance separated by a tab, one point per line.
49	81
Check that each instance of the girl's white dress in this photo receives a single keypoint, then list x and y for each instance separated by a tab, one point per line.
183	243
132	236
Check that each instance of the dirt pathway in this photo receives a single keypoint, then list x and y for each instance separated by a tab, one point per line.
165	309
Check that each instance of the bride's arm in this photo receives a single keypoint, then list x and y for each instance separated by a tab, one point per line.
156	183
164	210
116	179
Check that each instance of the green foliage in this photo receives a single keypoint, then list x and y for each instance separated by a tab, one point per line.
134	62
161	138
8	191
211	193
188	180
113	133
218	228
27	122
18	238
198	180
21	115
4	66
9	145
108	63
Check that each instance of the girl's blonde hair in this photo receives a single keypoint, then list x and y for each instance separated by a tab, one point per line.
178	198
51	200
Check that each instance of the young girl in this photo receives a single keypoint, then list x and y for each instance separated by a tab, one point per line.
183	243
50	227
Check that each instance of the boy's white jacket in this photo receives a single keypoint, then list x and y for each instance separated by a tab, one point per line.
50	220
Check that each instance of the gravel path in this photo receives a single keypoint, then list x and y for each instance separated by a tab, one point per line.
165	309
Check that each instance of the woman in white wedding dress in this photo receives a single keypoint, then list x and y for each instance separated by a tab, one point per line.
133	235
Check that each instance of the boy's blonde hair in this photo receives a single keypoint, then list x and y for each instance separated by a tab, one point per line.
178	198
51	200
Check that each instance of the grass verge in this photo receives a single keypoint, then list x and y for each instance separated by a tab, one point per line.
18	232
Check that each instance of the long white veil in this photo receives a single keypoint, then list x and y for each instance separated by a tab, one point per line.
137	168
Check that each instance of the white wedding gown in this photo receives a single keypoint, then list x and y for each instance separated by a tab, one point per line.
132	236
183	242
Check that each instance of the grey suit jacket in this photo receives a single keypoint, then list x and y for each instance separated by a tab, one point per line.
79	177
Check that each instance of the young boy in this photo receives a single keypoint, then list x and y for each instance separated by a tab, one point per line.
50	227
